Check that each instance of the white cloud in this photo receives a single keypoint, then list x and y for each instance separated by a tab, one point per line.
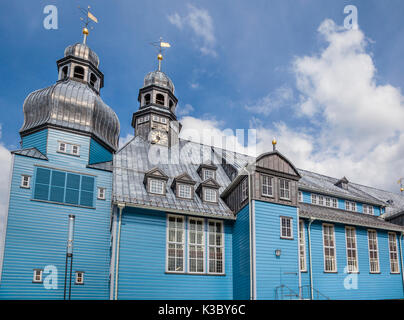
185	110
271	102
201	23
125	140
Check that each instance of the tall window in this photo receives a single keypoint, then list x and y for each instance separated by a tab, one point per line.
244	189
286	228
147	98
175	245
160	99
334	203
321	200
284	186
196	245
156	186
64	72
78	72
79	277
313	198
330	261
93	80
351	251
393	253
216	247
373	252
302	247
25	181
266	185
300	194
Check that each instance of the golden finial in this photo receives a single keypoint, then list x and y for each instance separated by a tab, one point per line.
401	189
400	182
89	15
274	143
160	45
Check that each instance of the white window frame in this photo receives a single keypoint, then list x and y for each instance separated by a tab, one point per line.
334	257
355	267
101	193
394	267
34	279
210	172
202	245
351	206
64	149
302	247
215	246
314	198
25	181
371	231
163	185
284	189
321	200
77	281
269	185
244	189
205	193
72	146
290	228
163	120
67	148
176	243
155	118
300	196
368	209
327	202
182	193
334	202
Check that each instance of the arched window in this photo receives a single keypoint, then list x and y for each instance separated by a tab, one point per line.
171	103
64	72
147	99
78	72
160	99
93	80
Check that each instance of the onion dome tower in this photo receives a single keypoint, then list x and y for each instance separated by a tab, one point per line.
155	120
73	103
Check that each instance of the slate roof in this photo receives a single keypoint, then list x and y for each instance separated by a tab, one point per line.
30	152
346	217
132	162
106	166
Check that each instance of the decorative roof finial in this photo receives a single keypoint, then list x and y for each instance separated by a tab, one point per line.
400	182
160	45
89	15
274	144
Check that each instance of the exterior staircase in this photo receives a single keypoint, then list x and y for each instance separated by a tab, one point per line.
283	292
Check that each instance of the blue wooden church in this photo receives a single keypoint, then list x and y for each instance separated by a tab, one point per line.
166	218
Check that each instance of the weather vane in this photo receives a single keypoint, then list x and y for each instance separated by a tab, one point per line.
160	45
89	17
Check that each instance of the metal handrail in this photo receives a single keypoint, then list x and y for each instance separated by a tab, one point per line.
280	293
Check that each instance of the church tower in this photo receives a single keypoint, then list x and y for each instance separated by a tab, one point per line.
62	173
155	120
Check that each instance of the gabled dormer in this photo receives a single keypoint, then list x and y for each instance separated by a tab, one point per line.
155	181
183	186
207	171
342	183
208	191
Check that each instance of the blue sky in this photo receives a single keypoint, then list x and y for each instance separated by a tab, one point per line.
235	64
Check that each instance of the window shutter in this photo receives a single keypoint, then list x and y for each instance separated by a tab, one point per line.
72	188
58	186
42	184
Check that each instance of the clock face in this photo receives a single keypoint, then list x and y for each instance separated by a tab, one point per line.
159	137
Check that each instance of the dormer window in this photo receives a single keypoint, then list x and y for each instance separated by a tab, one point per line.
78	72
184	191
342	183
155	181
209	195
160	99
207	173
93	80
156	186
183	186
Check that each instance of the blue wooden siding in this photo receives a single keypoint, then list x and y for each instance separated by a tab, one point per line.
272	271
36	140
241	255
369	286
142	264
37	231
98	153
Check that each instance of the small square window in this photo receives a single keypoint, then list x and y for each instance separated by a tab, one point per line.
62	147
209	195
207	173
79	277
156	186
25	181
184	191
163	120
101	193
37	276
75	150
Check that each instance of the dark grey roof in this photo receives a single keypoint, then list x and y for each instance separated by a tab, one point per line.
160	79
106	166
132	162
73	105
82	51
30	152
345	217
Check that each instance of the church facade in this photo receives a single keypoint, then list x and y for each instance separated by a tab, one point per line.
167	218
